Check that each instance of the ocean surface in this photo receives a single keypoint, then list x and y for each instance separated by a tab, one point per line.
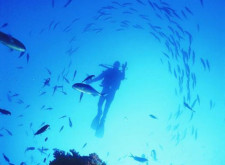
168	110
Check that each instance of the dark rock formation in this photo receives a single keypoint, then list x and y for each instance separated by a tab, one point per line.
73	158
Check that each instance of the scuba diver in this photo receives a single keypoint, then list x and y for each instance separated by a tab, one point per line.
111	79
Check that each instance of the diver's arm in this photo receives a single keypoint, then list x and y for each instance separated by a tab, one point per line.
124	66
97	78
123	74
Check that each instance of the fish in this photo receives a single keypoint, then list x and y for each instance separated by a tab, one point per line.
6	158
42	123
202	3
84	145
61	128
192	114
49	108
183	14
49	72
81	96
4	25
150	3
152	116
42	150
72	39
29	149
43	106
208	65
21	54
67	3
46	82
139	159
15	95
188	106
144	17
67	81
203	63
42	93
64	92
19	67
88	78
188	10
189	36
62	117
31	125
194	102
5	112
138	26
198	27
46	139
54	89
20	125
20	101
211	104
27	106
11	42
153	155
56	24
53	3
87	27
117	3
196	134
156	37
193	57
126	4
70	122
42	129
166	55
85	88
169	67
50	25
10	133
28	57
140	2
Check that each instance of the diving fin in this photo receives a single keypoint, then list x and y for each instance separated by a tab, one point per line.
100	130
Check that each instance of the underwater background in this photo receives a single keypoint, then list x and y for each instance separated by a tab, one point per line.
169	109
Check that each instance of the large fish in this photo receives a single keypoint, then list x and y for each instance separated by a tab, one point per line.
85	88
11	42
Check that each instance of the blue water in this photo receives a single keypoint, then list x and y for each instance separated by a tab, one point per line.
103	32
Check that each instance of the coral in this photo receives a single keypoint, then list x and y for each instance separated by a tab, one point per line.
73	158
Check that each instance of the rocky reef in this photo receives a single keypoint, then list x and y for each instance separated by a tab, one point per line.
73	158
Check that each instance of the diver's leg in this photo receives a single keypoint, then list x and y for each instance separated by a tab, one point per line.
107	105
95	121
100	103
100	130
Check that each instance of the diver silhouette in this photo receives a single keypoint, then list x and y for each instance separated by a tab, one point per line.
111	79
